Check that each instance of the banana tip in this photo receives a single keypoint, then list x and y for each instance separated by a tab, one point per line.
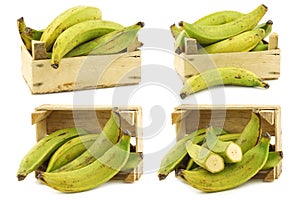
55	66
183	95
180	23
266	7
142	24
162	177
270	22
178	172
266	85
21	177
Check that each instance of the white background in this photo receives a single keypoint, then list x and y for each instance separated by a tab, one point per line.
18	135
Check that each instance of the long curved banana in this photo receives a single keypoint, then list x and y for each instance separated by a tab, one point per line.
177	153
204	157
110	43
243	42
67	19
107	138
233	175
228	150
44	148
78	34
21	28
70	150
251	133
221	76
220	17
206	35
94	174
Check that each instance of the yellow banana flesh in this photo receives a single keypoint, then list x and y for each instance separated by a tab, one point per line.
67	19
221	76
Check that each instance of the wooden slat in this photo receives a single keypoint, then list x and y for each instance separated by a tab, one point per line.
39	51
273	41
82	72
37	116
190	46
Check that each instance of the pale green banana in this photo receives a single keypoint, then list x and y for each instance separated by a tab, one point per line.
209	34
78	34
110	43
243	42
234	174
44	148
70	150
267	26
218	18
33	34
204	157
250	134
221	76
134	159
92	175
262	45
177	153
274	158
228	150
67	19
108	137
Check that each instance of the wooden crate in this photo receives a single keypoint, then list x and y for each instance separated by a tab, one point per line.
232	118
266	64
79	73
49	118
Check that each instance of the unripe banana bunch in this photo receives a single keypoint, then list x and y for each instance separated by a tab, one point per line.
80	31
226	31
72	160
212	159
